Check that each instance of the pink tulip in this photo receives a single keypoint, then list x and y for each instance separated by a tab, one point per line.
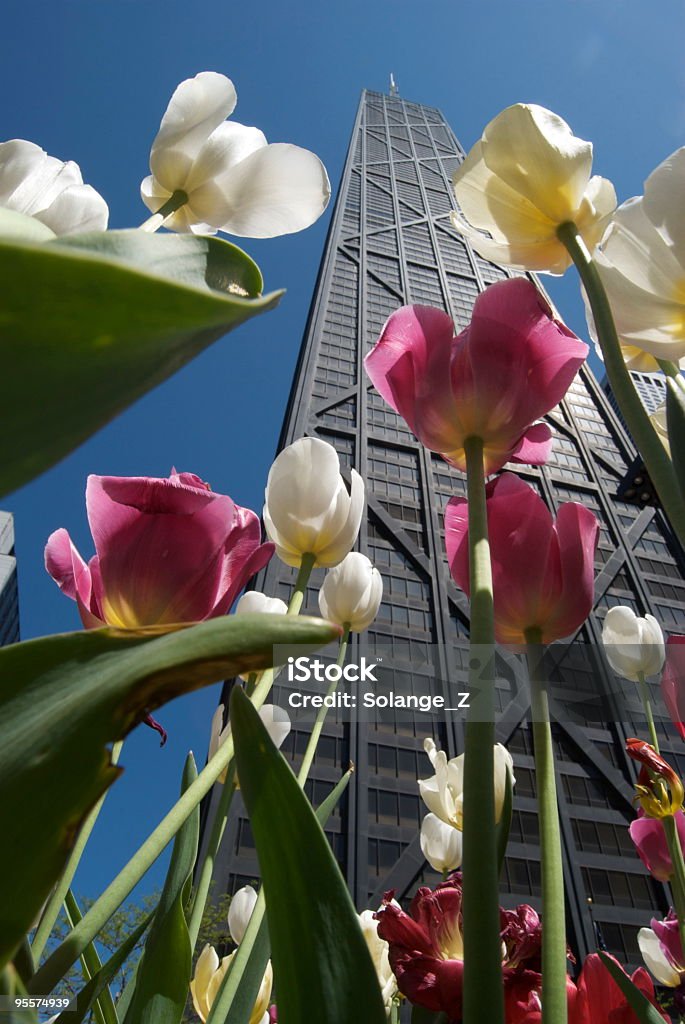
650	842
542	570
673	682
511	365
167	551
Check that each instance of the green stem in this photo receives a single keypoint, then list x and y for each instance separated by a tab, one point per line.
647	704
173	203
103	1007
483	996
227	992
204	878
672	370
678	878
297	596
645	437
54	904
323	711
554	1005
395	1012
56	966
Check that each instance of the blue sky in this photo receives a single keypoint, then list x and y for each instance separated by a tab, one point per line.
89	80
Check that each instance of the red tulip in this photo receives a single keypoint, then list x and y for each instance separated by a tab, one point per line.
542	569
427	952
659	788
599	1000
509	367
650	842
167	551
673	682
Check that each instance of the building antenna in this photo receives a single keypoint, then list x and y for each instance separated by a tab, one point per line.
394	91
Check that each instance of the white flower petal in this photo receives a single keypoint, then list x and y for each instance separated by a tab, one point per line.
253	601
275	191
655	958
352	592
197	107
276	721
536	153
240	911
441	844
78	208
226	146
663	202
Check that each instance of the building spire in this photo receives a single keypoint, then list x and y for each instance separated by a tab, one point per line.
394	91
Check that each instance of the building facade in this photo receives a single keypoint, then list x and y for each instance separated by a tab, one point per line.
651	387
391	243
9	594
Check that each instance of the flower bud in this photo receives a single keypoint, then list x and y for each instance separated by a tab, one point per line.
351	593
275	720
307	507
378	948
634	646
443	793
240	912
441	844
253	602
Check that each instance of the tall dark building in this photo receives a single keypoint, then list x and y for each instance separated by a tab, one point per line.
9	595
390	243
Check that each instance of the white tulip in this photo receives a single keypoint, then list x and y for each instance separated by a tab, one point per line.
41	186
307	507
210	972
633	645
527	175
240	912
441	844
351	593
641	261
379	950
251	602
654	956
443	793
232	179
275	720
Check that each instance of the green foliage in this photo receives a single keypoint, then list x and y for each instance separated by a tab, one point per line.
164	973
320	957
91	322
65	699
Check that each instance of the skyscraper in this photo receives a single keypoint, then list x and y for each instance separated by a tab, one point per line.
9	595
390	243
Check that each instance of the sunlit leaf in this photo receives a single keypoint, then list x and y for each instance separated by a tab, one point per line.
89	323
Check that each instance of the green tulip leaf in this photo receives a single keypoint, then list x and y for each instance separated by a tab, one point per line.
675	419
322	967
99	982
63	701
164	973
20	226
645	1012
89	323
91	965
245	974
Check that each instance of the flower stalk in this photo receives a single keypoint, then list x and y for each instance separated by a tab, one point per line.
483	996
305	571
647	705
554	1005
313	741
173	203
59	894
205	875
647	440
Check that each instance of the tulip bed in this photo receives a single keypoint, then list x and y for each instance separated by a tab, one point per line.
129	308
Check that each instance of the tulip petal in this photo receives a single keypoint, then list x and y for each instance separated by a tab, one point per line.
344	539
536	153
547	255
72	576
78	208
534	447
577	530
664	189
457	542
410	367
653	956
197	106
171	539
276	190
